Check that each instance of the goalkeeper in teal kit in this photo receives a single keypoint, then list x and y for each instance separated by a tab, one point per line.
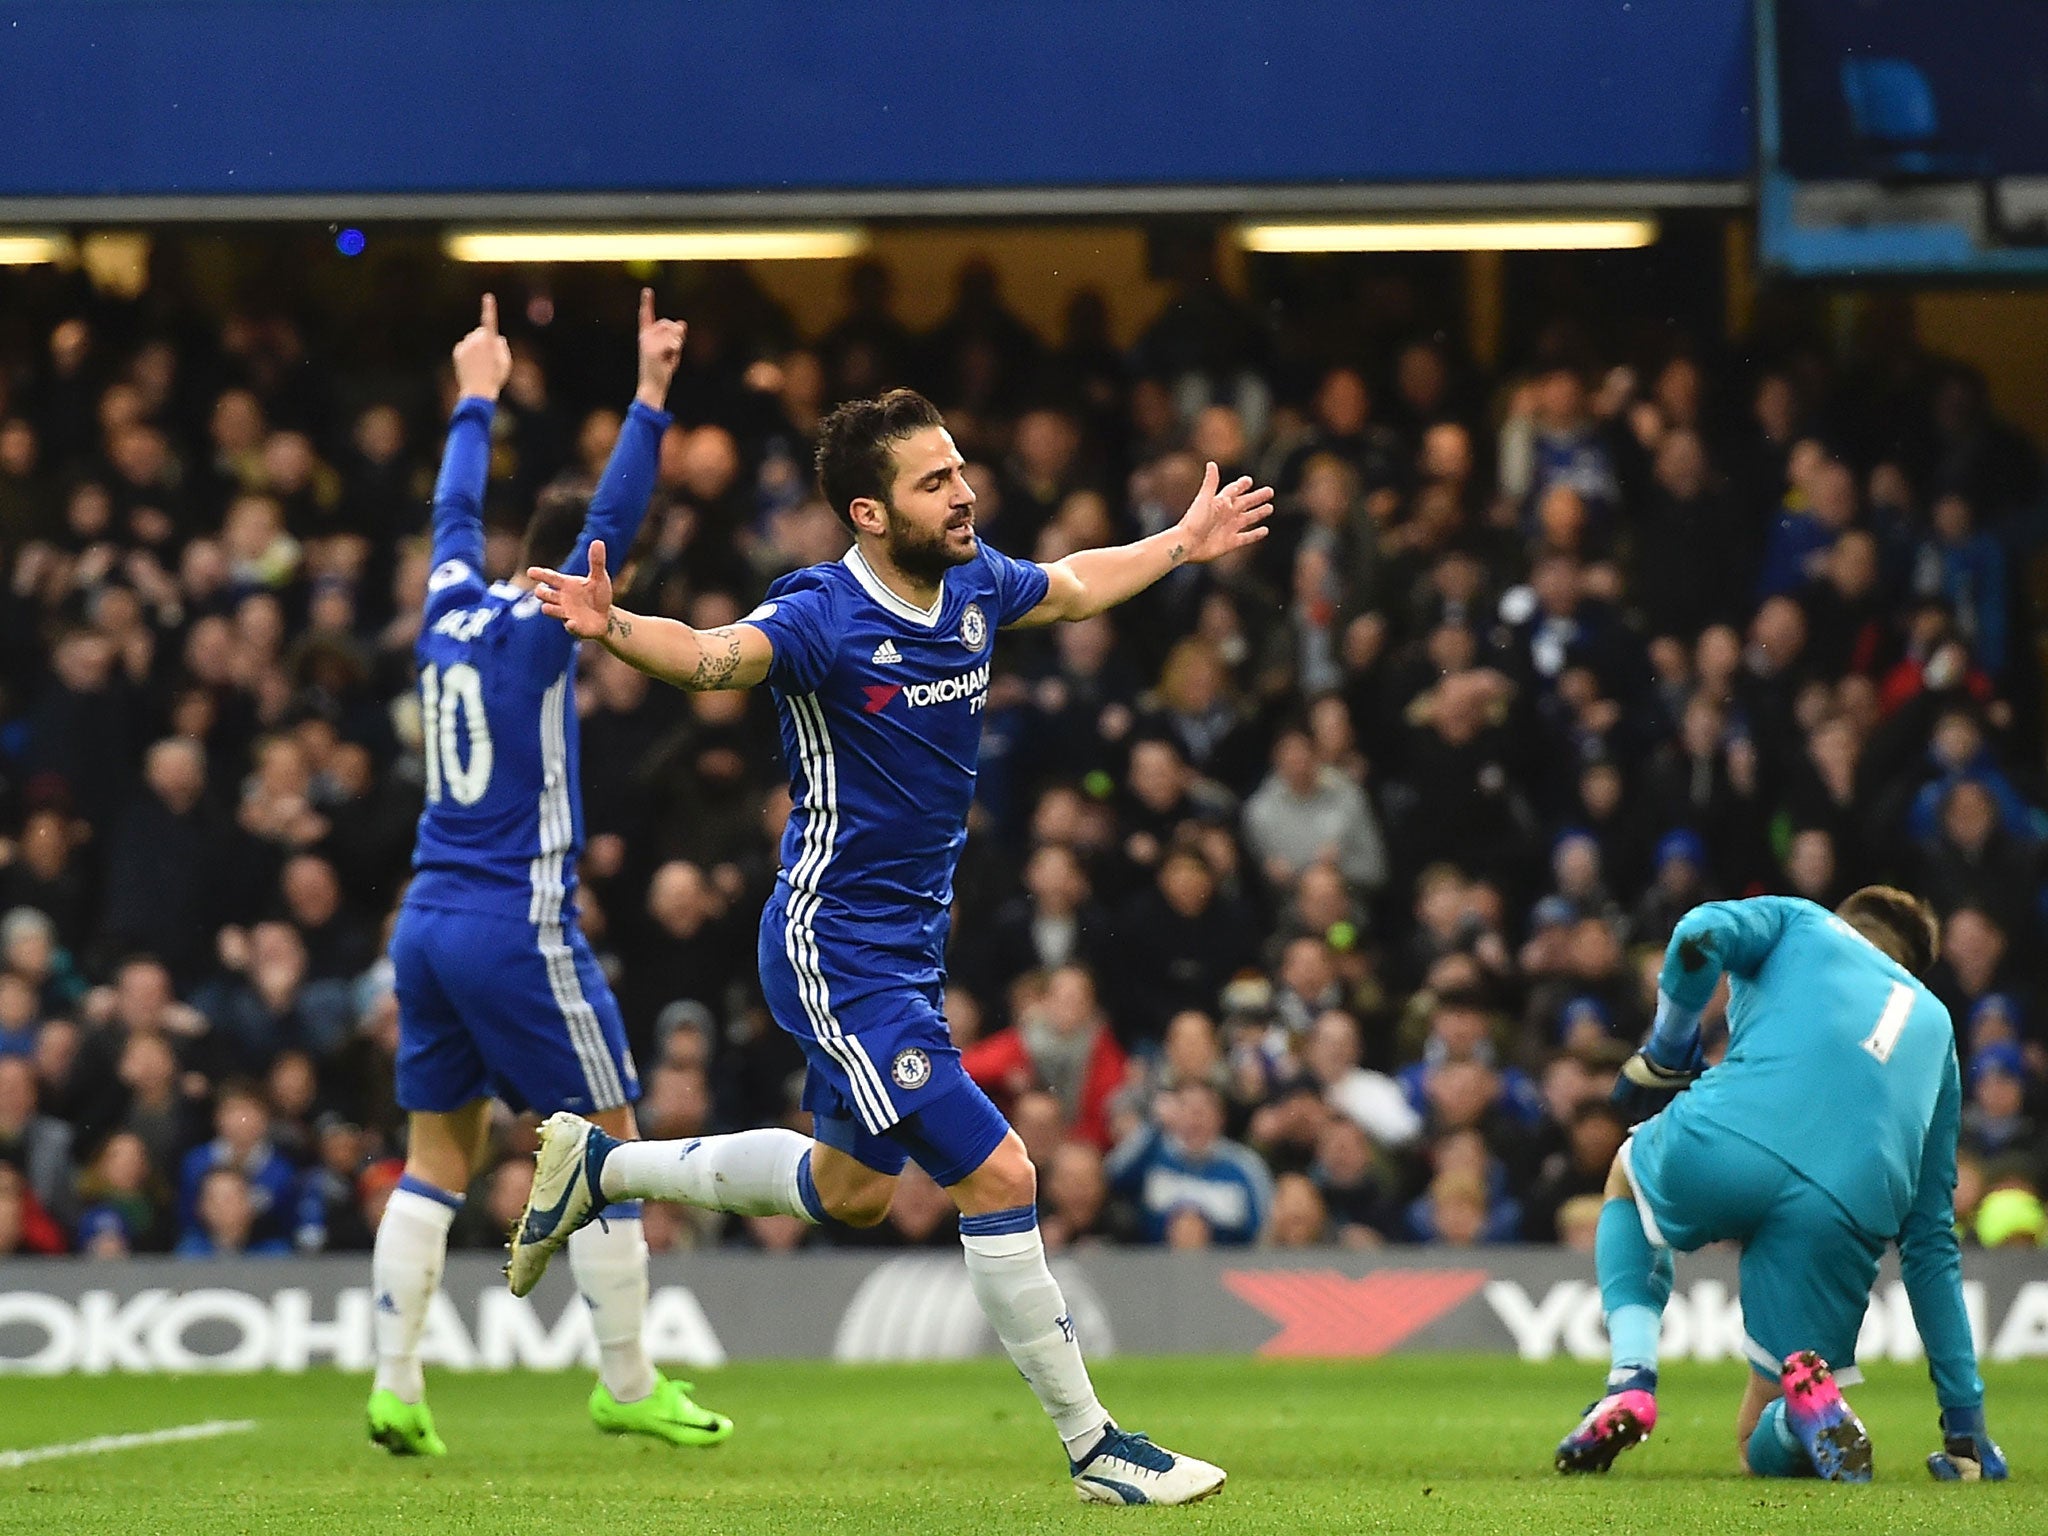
1827	1133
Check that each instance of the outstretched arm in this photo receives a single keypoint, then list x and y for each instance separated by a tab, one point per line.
620	500
483	361
700	660
1091	581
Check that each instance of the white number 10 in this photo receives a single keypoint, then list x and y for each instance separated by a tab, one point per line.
444	696
1897	1009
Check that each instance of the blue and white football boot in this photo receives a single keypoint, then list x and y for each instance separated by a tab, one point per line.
566	1195
1126	1468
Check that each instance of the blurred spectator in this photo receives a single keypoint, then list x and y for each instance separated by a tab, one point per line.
1074	1199
41	874
30	950
165	861
266	1187
1055	922
1305	813
1965	568
1579	1171
25	1227
127	1204
20	1016
1181	1165
1467	1200
1180	941
1679	885
1996	1125
1062	1044
262	1001
1818	508
223	1223
1359	1185
34	1143
328	1191
1372	1100
1551	439
1578	1222
1299	1217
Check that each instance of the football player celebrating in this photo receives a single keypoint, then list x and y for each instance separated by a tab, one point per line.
879	665
498	994
1827	1133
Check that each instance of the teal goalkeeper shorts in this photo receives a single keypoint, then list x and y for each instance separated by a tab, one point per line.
1807	1269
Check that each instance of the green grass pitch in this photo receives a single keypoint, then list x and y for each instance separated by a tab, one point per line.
1415	1444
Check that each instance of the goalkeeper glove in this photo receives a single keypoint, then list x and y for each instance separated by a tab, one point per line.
1646	1085
1967	1452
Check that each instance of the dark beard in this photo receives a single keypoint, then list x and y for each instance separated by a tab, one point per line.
922	558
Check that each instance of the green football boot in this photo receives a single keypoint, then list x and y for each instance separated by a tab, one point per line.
402	1428
667	1413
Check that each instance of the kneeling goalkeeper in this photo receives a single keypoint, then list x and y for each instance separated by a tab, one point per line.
1827	1132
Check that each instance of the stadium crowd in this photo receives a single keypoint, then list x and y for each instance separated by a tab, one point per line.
1312	898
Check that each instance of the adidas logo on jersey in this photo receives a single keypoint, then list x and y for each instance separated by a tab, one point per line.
886	654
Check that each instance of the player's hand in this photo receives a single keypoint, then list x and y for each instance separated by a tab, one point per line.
661	350
1645	1086
582	603
1218	521
483	358
1968	1454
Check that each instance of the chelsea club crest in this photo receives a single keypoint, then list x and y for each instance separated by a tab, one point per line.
911	1068
973	627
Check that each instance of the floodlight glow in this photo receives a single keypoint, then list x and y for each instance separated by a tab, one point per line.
1451	235
32	250
544	245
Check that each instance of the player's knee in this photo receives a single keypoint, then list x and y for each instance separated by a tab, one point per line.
1618	1186
859	1202
1008	1179
859	1211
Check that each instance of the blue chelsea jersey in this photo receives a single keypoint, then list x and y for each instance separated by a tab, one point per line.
503	821
880	704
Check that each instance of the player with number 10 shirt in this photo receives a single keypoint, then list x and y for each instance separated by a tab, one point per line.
499	995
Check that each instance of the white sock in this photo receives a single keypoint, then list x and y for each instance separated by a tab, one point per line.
753	1173
609	1259
405	1271
1020	1298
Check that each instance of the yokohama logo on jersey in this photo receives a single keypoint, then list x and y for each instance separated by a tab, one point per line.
947	690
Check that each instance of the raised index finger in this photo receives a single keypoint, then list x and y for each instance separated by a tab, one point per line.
489	321
646	308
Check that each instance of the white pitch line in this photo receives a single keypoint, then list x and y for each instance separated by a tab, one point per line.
99	1445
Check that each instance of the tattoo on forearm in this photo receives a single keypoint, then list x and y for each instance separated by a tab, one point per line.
617	626
719	658
1175	555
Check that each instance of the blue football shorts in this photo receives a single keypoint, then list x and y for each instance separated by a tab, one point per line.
1807	1269
883	1082
490	1004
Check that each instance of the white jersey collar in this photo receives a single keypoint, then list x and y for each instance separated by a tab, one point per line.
864	573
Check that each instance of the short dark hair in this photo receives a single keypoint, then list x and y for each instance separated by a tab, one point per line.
557	523
1897	922
241	1088
854	443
